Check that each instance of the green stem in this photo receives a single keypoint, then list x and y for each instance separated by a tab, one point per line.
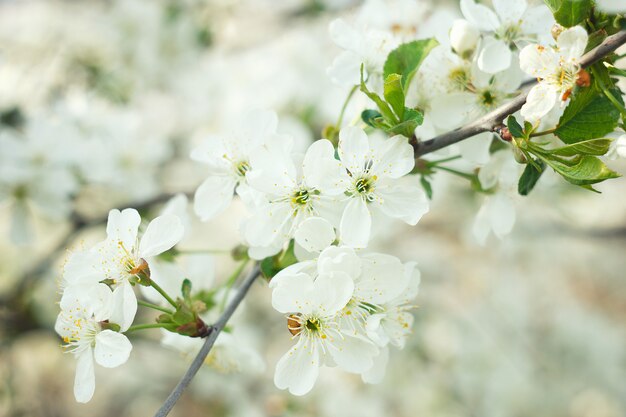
345	106
154	306
145	326
545	132
458	173
163	293
231	281
441	161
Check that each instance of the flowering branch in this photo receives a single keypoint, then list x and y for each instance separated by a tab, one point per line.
493	119
213	333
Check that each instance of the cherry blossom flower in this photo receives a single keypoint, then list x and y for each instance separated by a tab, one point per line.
123	259
228	159
372	168
556	68
313	306
513	24
85	326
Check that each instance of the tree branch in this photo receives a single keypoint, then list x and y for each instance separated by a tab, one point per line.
208	343
489	121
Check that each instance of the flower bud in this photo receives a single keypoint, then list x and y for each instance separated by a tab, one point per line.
556	31
519	155
463	36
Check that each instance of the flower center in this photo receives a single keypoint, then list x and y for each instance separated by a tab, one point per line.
241	168
459	78
510	34
300	198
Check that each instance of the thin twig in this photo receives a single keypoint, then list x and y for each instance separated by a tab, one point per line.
489	121
208	343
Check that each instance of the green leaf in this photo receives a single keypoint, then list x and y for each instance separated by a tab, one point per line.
529	178
583	170
369	116
407	127
553	4
394	94
406	59
384	108
572	12
427	187
186	290
589	115
587	147
514	127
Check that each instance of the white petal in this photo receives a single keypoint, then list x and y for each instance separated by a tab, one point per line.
315	234
494	56
271	223
572	42
298	369
353	354
213	197
476	149
510	11
161	234
344	35
482	225
376	374
538	61
407	203
81	268
331	292
382	278
502	213
339	259
112	349
396	157
124	306
480	16
448	111
122	226
85	379
321	170
291	293
356	224
346	69
541	99
353	148
537	20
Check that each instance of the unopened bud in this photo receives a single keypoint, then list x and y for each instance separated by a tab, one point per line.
519	155
504	133
583	79
556	31
463	36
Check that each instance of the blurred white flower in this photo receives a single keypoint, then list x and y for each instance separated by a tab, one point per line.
464	37
557	70
513	24
228	158
497	213
618	148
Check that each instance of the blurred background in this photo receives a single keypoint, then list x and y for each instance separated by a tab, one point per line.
109	97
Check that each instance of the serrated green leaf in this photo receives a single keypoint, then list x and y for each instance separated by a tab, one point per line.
589	115
529	178
394	94
572	12
587	147
514	127
406	59
413	118
583	170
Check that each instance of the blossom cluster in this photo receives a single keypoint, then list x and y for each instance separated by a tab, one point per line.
314	208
